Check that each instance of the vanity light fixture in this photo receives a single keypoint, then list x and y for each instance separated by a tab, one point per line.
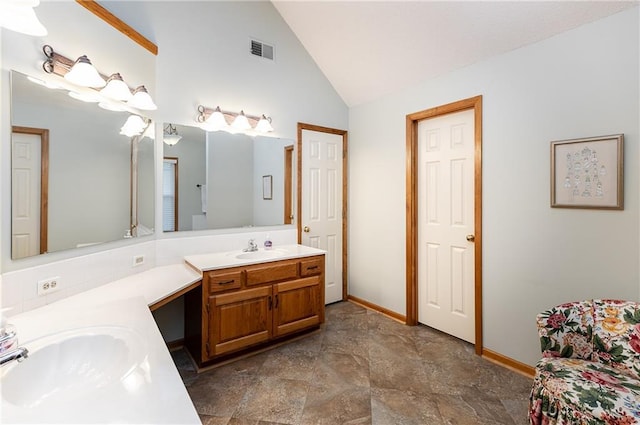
170	135
82	73
19	16
216	119
241	122
264	125
142	100
116	88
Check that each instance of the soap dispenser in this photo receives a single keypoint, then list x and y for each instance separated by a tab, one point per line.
267	243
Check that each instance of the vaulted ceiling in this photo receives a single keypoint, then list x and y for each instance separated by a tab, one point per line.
368	49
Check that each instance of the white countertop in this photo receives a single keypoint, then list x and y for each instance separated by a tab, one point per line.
162	398
219	260
122	307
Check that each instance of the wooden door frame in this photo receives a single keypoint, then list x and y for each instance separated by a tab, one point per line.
344	134
44	180
288	182
474	103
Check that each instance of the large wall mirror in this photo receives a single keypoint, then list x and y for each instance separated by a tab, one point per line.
218	180
94	177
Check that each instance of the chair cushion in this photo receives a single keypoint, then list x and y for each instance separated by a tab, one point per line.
577	391
616	337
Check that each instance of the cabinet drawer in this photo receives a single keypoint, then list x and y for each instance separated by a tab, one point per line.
272	272
311	267
224	281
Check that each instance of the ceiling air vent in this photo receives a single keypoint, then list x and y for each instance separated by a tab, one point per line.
258	48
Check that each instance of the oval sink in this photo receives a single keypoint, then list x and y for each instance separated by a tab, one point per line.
261	254
72	365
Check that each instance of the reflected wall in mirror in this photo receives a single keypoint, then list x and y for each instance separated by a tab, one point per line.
87	197
217	180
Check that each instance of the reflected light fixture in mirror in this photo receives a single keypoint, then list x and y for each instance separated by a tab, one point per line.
216	119
171	136
19	16
134	126
85	97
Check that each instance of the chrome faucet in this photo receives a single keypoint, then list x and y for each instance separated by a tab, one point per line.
253	246
8	340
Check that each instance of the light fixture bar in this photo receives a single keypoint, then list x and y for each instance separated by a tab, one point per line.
254	120
60	65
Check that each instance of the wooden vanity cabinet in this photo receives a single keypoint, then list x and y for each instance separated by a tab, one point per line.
255	305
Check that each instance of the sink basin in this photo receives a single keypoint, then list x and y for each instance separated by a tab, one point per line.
261	254
74	366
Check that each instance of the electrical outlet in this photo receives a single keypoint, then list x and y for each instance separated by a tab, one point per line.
48	286
138	260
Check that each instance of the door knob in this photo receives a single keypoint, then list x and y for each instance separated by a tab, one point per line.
471	238
306	229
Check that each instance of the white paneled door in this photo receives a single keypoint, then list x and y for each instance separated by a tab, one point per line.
322	203
25	195
446	224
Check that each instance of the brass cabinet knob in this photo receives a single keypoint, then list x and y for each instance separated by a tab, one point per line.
471	238
306	229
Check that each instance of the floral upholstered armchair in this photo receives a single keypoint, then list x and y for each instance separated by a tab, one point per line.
590	368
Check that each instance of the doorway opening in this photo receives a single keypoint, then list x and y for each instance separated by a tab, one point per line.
412	221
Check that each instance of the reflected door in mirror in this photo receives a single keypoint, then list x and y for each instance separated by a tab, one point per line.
29	191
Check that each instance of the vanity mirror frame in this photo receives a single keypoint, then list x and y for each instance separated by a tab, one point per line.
246	162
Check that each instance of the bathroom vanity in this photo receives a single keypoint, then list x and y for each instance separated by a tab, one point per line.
269	297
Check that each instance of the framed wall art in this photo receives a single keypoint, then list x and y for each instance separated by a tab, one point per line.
267	186
588	173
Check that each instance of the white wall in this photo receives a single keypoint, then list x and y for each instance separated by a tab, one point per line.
268	160
202	59
578	84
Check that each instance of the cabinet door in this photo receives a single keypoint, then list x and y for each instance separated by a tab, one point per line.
297	305
239	319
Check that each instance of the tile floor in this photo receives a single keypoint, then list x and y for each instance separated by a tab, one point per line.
361	368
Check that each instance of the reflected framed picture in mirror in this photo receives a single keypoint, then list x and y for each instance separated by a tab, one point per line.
267	185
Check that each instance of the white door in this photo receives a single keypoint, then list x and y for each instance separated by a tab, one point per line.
446	273
322	203
25	195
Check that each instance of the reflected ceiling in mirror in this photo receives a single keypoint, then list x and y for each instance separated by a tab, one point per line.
219	180
86	199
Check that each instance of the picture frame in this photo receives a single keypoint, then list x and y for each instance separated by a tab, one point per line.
267	186
588	173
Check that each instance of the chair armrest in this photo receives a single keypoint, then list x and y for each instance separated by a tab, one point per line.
567	330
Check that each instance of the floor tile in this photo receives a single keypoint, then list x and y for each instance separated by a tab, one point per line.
360	368
275	400
330	405
392	406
